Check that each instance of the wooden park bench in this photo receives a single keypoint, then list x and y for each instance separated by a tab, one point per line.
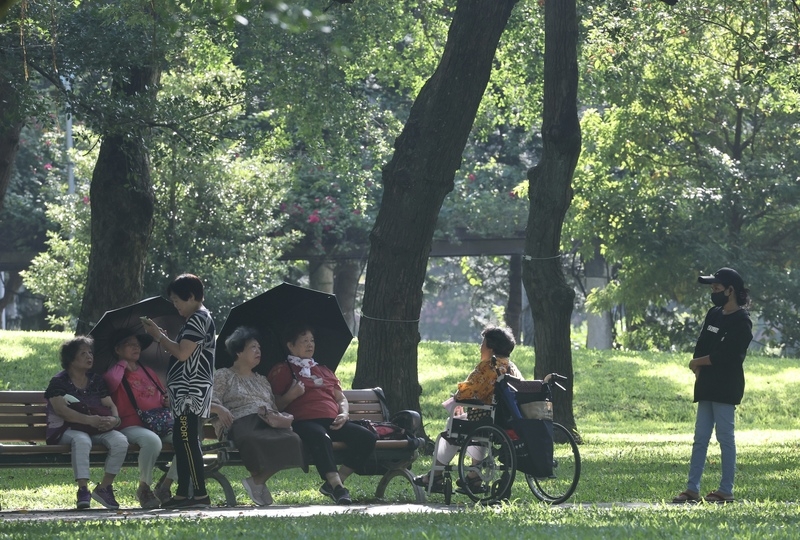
23	420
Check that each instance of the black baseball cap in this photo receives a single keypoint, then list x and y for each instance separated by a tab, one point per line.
726	276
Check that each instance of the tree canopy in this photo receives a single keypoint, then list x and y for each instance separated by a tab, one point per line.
274	122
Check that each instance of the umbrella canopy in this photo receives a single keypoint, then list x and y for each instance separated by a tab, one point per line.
270	313
118	323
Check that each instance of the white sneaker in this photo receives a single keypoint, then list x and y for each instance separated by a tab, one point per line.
257	492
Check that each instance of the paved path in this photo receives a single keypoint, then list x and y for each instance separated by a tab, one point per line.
250	511
220	512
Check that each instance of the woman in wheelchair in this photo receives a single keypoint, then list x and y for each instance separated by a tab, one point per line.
496	348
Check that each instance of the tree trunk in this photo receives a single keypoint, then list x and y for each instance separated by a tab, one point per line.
550	192
600	325
345	287
513	314
10	128
320	275
416	180
122	203
10	288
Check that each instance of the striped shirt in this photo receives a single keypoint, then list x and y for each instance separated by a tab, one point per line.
190	383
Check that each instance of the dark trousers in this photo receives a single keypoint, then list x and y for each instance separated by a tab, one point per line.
188	455
318	439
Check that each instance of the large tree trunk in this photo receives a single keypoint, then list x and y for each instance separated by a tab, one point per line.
320	275
122	203
600	325
513	315
345	287
10	128
416	180
550	296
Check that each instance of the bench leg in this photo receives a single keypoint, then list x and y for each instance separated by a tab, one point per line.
402	473
230	496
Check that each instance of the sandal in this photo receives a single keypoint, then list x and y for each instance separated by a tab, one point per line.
438	482
474	483
686	497
718	497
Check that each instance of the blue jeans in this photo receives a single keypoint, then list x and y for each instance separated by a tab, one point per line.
721	415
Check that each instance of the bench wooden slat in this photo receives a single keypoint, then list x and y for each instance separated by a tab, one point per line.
23	408
359	408
22	396
22	420
361	394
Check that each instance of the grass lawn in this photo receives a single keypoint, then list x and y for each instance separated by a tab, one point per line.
634	412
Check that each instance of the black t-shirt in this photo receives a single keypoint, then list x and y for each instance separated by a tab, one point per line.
724	339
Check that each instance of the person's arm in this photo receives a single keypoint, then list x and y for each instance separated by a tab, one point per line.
62	409
467	389
285	388
181	351
296	389
223	414
344	409
114	375
730	350
696	363
114	420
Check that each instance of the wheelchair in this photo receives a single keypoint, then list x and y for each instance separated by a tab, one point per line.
515	434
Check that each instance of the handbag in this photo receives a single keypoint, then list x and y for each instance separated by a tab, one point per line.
276	419
159	420
83	408
76	405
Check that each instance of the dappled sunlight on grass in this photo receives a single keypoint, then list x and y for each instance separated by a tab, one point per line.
29	359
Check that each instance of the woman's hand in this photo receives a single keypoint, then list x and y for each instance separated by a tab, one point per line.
339	421
104	423
153	329
696	363
225	417
296	390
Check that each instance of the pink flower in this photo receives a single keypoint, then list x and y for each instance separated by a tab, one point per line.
85	200
48	166
471	177
314	217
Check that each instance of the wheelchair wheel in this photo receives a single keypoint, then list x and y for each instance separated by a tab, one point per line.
487	465
560	486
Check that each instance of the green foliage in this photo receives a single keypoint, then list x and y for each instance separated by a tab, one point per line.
22	217
59	274
198	198
689	160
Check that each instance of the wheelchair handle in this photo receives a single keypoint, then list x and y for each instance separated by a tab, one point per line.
554	378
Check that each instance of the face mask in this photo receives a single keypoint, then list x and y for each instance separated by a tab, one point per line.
719	299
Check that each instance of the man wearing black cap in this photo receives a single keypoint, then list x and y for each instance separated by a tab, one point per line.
719	380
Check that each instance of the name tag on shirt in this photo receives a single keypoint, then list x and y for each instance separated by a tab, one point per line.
713	329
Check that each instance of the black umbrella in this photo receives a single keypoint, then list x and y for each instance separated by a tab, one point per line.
119	323
270	313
